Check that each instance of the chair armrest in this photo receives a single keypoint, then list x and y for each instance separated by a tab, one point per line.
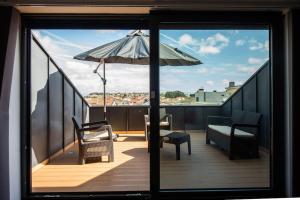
245	125
109	129
92	128
103	122
170	120
146	118
241	125
219	120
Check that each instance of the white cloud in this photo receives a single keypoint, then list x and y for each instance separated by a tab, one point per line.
221	38
257	45
203	70
255	61
177	43
185	39
266	45
209	50
213	44
240	42
210	82
210	70
178	71
246	69
225	81
62	41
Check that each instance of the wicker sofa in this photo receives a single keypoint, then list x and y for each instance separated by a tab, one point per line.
238	135
95	139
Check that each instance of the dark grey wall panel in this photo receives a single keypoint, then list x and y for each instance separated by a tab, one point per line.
136	118
237	101
85	113
226	108
116	117
68	113
55	110
263	107
78	107
255	97
96	113
178	116
210	111
194	119
249	98
39	96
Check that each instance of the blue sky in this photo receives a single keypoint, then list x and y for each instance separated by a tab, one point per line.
227	55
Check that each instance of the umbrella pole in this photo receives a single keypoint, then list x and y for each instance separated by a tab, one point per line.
104	91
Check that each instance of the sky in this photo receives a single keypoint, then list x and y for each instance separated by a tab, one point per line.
227	55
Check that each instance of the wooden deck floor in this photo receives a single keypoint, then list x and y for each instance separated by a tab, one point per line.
207	167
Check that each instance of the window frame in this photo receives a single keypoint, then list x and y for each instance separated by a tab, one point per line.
227	19
153	22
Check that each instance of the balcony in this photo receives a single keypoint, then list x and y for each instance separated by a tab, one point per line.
55	149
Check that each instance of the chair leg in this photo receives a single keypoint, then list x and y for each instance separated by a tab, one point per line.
111	156
81	160
177	151
146	135
189	145
207	140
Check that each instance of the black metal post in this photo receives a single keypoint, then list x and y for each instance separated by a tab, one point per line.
104	85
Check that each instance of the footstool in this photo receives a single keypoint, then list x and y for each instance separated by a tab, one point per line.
178	138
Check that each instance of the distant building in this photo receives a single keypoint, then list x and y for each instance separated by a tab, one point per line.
232	88
202	96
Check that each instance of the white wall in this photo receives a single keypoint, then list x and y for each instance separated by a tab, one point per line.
10	153
14	128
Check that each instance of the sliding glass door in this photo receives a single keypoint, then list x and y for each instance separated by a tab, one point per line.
214	104
224	81
193	115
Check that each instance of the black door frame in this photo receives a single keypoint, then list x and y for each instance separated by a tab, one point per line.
33	21
153	22
225	20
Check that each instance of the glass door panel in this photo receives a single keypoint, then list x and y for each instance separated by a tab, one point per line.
72	87
214	108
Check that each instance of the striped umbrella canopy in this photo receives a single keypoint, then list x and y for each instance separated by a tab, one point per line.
134	49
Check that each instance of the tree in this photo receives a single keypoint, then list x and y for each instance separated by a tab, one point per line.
174	94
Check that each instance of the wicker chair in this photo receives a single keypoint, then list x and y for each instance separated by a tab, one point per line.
95	144
165	122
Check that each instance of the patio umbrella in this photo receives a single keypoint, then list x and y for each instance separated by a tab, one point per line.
134	49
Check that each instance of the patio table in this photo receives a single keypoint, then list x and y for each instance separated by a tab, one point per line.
174	137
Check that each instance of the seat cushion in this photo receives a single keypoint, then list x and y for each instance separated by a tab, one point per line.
227	129
163	123
90	136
